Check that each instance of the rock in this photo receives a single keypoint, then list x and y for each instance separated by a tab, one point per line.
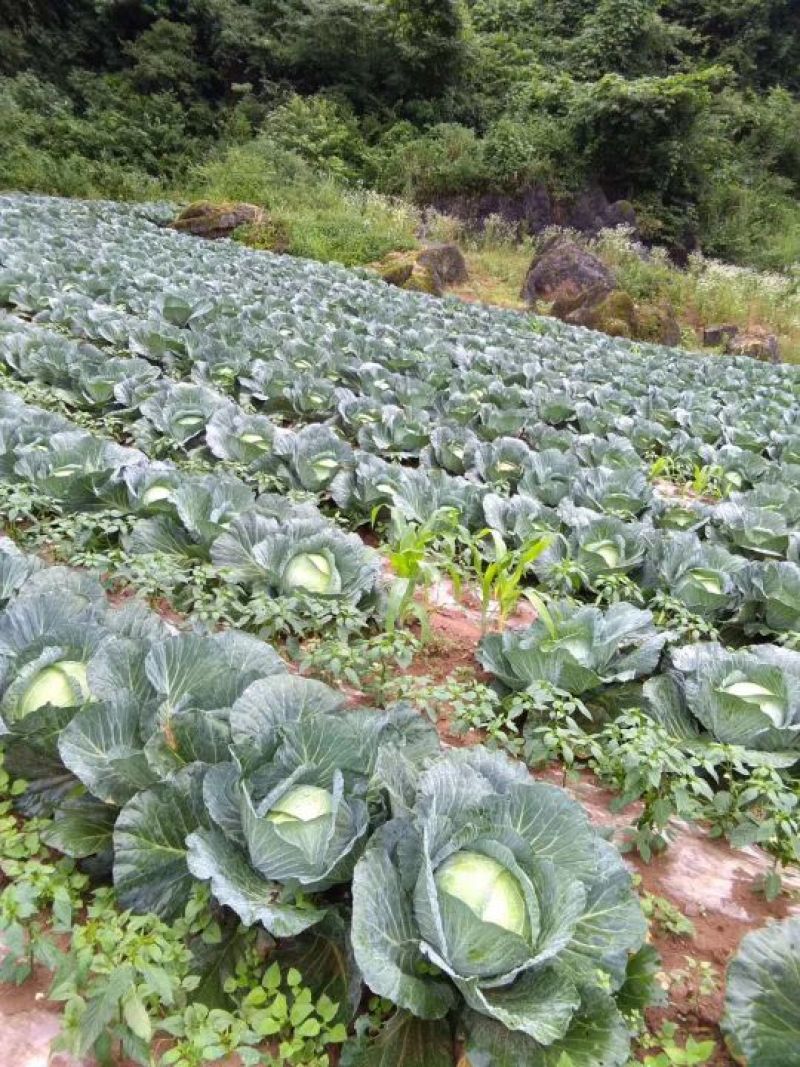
530	210
714	336
756	342
422	280
615	313
207	219
564	269
620	213
533	209
446	263
657	324
397	273
408	270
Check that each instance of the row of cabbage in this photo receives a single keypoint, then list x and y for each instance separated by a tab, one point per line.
259	324
265	543
703	694
723	568
268	543
468	894
610	520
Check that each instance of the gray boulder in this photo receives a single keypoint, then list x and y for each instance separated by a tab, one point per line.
756	342
446	263
565	270
721	334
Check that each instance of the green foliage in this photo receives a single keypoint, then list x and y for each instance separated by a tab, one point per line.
692	1053
688	111
317	215
666	916
126	980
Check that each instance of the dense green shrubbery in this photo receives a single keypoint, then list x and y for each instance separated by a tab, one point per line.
688	111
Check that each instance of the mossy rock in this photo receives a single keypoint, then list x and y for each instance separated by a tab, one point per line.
205	218
657	324
446	263
617	305
397	274
616	328
404	270
613	313
422	280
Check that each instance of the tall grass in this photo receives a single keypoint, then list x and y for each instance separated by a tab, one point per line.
318	215
708	292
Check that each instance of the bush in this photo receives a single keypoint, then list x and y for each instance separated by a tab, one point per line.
321	131
318	215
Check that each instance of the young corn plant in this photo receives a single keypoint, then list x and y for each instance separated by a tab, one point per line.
501	576
409	553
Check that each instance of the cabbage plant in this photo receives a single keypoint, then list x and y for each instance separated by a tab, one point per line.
702	576
291	813
313	457
597	547
179	412
750	697
622	491
241	438
577	649
758	532
770	597
302	556
77	469
762	996
15	569
493	888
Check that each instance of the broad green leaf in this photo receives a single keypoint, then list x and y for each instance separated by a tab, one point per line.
234	883
762	1001
597	1037
150	871
404	1041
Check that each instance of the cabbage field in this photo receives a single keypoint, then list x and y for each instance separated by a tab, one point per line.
237	490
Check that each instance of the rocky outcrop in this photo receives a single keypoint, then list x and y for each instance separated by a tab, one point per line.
719	335
446	263
617	314
756	342
213	220
430	271
533	209
657	323
563	271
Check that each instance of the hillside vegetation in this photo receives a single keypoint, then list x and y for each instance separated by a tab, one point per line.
688	111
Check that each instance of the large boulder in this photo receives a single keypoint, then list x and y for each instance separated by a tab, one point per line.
565	270
617	314
756	342
446	263
657	323
207	219
430	271
719	335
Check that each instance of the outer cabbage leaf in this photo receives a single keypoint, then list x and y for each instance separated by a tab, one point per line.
762	1000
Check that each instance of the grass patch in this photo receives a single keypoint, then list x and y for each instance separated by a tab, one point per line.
311	215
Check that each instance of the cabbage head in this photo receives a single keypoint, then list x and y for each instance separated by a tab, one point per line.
750	697
495	887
